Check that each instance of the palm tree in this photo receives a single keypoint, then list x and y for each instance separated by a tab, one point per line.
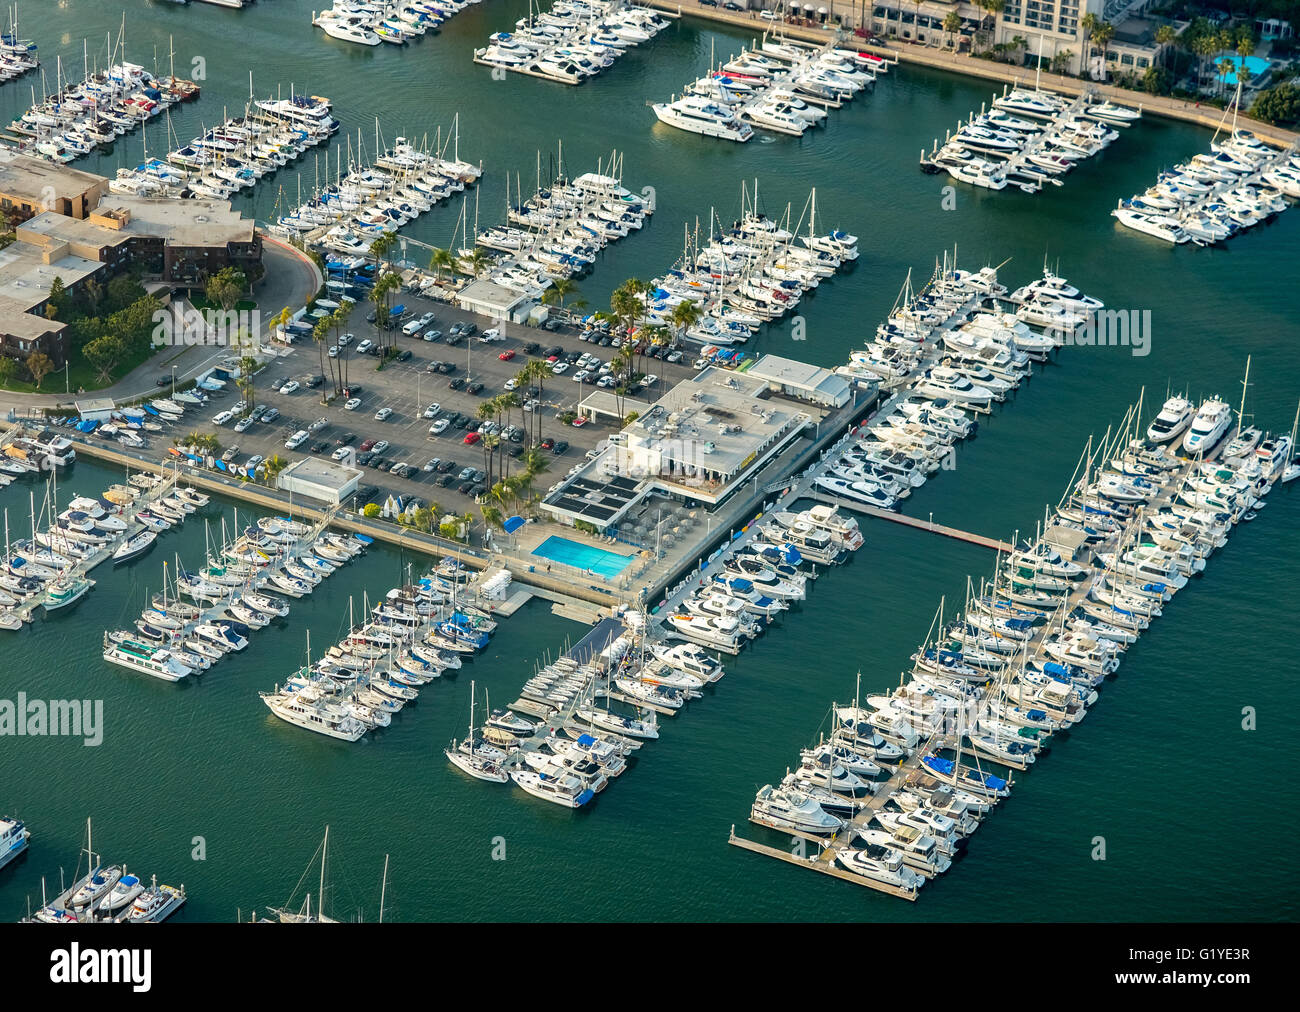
441	260
320	334
994	7
951	25
1226	67
479	259
683	316
1103	34
1165	34
382	246
559	290
247	387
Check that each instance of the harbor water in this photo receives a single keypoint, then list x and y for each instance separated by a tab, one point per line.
1160	771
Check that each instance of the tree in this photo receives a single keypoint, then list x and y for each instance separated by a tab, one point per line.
382	246
1165	34
39	365
8	370
994	7
225	287
1103	34
441	260
320	334
422	520
1155	80
479	260
559	290
1278	105
58	295
1088	24
93	292
1226	66
1061	61
247	383
951	24
491	516
273	465
370	509
104	353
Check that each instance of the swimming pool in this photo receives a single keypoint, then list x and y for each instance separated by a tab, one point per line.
1255	64
580	556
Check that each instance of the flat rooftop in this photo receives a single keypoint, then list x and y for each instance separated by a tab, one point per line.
717	419
181	222
321	472
491	295
25	277
33	179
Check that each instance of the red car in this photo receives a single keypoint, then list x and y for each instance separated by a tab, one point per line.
506	355
471	438
579	422
367	445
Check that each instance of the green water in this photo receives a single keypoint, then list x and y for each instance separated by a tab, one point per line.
1161	768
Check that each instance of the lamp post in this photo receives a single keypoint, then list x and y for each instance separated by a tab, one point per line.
173	381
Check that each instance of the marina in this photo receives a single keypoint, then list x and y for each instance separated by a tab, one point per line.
18	56
235	156
78	118
1028	139
781	85
889	796
572	41
278	785
1215	196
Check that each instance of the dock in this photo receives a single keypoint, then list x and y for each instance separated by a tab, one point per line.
916	523
824	862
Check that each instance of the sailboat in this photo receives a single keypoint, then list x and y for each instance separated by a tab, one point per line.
479	760
304	915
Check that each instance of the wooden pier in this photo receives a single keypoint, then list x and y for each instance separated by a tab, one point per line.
922	525
824	862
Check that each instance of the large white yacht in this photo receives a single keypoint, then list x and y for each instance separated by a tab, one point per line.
700	116
127	652
1174	417
1208	427
13	840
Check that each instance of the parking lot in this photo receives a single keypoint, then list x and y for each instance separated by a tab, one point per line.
408	388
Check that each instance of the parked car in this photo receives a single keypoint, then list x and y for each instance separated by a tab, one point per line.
364	347
580	421
383	414
433	335
458	383
244	424
292	387
352	404
340	453
296	440
320	446
222	417
230	453
471	438
559	447
317	425
511	383
432	410
474	388
560	368
369	444
446	465
345	440
381	446
507	355
432	465
254	461
439	427
270	415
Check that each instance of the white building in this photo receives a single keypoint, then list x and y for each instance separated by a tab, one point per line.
319	479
